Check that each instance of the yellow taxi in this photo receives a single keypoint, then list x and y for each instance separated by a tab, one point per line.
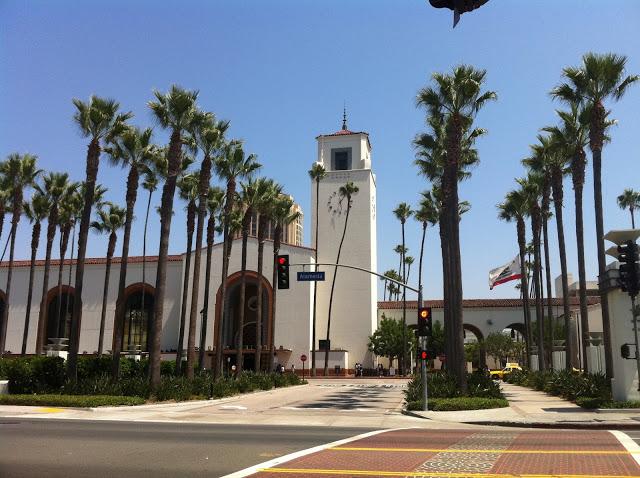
499	374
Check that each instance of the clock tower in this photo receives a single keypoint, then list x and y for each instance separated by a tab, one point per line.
346	157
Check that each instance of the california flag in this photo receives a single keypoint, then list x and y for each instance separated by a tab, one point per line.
502	274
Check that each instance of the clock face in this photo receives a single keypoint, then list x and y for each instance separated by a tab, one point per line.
335	204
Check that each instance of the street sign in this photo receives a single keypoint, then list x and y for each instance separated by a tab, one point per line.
303	357
311	276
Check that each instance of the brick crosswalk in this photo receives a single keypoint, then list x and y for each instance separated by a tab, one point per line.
468	453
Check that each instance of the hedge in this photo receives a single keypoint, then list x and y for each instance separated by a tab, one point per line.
83	401
46	375
586	390
459	403
444	385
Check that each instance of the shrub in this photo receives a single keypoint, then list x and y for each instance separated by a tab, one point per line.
69	400
459	403
443	385
36	375
590	402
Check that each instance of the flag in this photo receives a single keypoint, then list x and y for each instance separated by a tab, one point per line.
505	273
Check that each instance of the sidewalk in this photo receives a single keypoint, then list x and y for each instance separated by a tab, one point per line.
530	408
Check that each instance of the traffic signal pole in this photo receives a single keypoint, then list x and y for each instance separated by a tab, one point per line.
423	370
634	314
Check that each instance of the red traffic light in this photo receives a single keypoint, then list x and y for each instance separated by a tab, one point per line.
282	261
424	355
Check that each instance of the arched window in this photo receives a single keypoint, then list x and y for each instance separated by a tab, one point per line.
138	312
59	311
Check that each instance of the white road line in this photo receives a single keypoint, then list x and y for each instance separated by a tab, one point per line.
632	447
233	407
298	454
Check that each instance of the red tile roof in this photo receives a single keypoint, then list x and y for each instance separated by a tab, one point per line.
343	132
92	261
574	302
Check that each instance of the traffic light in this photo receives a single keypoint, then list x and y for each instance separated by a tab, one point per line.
283	271
423	355
425	328
629	268
462	6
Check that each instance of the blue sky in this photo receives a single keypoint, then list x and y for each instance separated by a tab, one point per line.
280	72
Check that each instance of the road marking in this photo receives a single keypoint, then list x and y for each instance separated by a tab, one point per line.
312	471
51	410
267	465
233	407
632	447
455	450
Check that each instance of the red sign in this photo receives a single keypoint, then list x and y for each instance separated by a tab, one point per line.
303	358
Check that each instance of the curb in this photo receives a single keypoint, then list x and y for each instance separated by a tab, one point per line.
548	425
189	403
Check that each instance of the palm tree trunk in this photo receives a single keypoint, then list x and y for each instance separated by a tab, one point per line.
211	227
424	233
577	175
243	290
596	139
536	226
166	211
315	285
404	307
105	292
5	312
226	256
524	288
557	201
277	239
15	219
633	220
65	232
333	286
547	265
144	265
262	232
42	313
35	241
93	162
205	177
118	322
185	285
73	238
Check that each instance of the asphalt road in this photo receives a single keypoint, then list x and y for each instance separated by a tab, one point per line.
80	448
634	435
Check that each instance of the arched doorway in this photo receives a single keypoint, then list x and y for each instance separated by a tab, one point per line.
59	312
518	333
139	300
474	346
231	329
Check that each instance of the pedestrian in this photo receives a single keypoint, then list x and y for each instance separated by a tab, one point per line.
380	370
293	369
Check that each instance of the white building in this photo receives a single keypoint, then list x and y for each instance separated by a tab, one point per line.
346	156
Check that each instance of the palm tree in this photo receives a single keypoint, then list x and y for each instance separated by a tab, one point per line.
516	208
98	120
532	187
572	136
317	174
4	202
133	149
408	261
249	201
345	193
208	138
268	191
454	102
630	199
53	188
282	216
427	213
177	111
401	251
188	186
215	200
66	219
402	213
110	221
18	172
36	211
231	166
599	78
